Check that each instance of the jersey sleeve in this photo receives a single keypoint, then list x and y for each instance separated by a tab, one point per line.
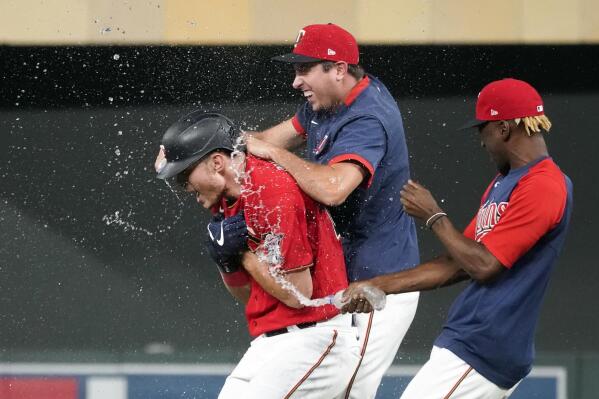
469	231
362	140
535	207
278	230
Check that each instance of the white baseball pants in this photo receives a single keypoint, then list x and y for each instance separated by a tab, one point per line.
446	376
310	363
381	333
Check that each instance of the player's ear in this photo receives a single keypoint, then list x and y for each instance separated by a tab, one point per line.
218	162
341	69
505	130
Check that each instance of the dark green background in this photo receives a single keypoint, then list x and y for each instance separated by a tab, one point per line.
73	287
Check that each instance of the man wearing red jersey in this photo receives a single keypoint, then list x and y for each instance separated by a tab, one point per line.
294	255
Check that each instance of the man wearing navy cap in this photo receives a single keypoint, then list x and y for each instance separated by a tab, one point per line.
357	164
508	252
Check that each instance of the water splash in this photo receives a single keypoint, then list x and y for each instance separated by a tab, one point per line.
269	251
238	160
173	191
118	220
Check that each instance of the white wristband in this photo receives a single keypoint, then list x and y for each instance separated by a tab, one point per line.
434	218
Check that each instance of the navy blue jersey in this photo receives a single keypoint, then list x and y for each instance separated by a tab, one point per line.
379	238
522	221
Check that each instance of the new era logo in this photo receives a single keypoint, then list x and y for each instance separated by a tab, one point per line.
493	112
331	52
539	108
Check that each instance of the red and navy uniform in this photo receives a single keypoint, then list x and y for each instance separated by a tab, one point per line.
275	207
379	237
522	221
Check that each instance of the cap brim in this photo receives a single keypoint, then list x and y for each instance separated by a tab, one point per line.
174	168
471	123
294	58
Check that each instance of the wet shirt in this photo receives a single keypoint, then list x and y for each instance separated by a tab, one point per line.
522	221
378	236
293	232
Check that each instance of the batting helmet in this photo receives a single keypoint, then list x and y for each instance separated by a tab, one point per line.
193	137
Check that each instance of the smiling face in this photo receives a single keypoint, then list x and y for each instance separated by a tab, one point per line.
320	87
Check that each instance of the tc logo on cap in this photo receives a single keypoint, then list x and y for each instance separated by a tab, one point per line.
323	42
300	34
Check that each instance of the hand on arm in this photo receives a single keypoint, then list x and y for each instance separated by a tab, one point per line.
359	145
439	272
473	257
282	135
301	280
328	184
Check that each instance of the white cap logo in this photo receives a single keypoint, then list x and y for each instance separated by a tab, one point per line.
300	34
493	112
539	108
331	52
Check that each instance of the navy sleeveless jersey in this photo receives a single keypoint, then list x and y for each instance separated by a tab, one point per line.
378	237
522	221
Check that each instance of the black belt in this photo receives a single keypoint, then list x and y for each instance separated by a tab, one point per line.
285	330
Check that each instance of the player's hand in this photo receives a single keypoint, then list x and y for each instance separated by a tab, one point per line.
418	201
226	241
354	299
259	148
160	161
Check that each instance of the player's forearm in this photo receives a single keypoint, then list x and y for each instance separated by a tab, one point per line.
321	182
260	272
439	272
282	135
473	257
242	294
238	284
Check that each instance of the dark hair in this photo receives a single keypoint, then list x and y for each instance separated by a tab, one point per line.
355	70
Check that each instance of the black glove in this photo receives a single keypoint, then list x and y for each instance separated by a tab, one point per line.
227	240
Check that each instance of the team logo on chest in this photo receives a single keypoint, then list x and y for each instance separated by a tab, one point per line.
488	216
321	145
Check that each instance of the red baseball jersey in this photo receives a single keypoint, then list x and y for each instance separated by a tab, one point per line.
293	232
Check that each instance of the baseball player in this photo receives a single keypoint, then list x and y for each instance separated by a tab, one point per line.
358	162
508	251
297	351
